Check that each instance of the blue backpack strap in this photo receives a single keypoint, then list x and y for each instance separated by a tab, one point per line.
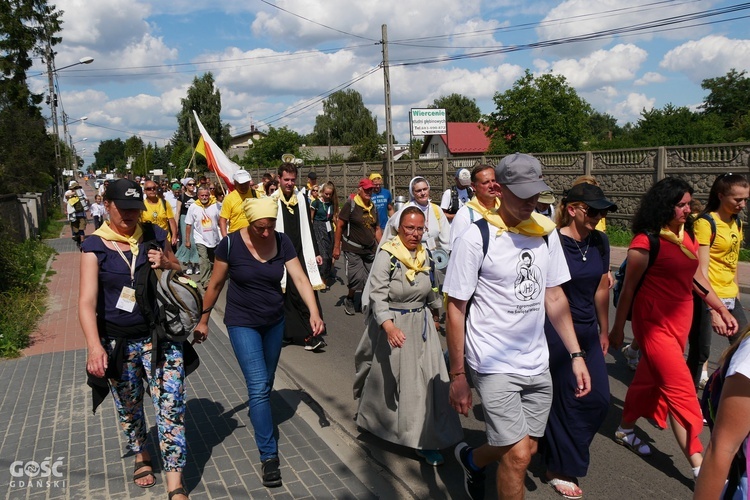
484	229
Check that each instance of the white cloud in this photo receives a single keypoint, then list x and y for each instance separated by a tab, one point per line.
580	17
650	77
601	67
709	57
630	109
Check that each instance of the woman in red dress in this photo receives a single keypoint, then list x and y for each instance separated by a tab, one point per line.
662	312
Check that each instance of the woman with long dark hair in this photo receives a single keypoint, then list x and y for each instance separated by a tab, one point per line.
662	311
718	230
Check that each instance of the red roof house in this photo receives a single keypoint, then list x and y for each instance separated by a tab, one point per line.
462	139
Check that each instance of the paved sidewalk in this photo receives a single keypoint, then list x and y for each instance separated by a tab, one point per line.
46	408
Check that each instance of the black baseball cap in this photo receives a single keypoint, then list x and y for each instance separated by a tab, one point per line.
126	194
591	195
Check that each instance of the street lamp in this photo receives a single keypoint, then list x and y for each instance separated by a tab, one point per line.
51	72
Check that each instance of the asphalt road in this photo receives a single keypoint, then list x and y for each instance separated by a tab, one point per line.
615	472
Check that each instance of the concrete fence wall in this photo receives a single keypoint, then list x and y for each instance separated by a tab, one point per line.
22	216
624	174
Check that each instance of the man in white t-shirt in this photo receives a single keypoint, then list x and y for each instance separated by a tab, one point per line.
509	267
202	221
456	196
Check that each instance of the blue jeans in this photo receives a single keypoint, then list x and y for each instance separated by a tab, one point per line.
257	351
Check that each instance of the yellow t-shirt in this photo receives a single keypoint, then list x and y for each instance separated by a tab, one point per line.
232	211
723	254
260	191
157	213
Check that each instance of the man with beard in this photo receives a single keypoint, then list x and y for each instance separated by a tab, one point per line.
294	220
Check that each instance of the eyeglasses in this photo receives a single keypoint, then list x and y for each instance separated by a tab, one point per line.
594	212
412	230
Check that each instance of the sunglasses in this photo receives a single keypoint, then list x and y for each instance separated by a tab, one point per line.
594	212
149	189
191	183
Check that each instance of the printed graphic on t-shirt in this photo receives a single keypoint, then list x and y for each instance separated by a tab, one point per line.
734	250
528	284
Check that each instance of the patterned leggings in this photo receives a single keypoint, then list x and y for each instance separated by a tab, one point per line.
168	395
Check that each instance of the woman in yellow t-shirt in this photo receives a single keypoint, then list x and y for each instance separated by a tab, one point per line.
718	256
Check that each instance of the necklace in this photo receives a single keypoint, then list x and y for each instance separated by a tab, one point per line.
583	252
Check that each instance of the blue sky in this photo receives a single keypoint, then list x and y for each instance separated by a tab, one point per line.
273	60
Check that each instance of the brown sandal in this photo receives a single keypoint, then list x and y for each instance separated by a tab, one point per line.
145	473
177	491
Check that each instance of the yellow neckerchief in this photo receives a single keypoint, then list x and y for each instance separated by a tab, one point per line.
415	264
536	225
668	235
105	232
475	204
211	201
289	204
361	203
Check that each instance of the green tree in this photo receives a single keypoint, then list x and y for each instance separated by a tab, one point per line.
537	115
110	156
267	152
347	120
27	155
205	99
677	126
458	108
728	97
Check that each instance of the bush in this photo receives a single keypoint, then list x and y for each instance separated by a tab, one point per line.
24	263
619	236
19	313
22	296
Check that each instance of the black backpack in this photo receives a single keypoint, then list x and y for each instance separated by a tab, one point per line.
654	244
453	207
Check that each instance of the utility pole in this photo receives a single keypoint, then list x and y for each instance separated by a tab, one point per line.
388	129
53	107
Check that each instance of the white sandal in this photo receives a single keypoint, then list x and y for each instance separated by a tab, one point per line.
557	482
632	442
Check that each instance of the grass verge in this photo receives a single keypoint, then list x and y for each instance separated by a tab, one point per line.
22	295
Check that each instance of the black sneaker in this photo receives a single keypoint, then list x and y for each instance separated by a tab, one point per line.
271	473
473	479
314	343
349	307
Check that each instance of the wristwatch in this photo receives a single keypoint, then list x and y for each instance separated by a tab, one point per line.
579	354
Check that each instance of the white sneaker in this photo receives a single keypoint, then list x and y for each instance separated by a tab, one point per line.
189	270
632	356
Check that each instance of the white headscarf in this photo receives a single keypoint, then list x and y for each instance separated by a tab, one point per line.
411	187
186	180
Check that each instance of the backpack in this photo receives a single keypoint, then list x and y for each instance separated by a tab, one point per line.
709	406
76	203
453	207
178	302
653	251
712	223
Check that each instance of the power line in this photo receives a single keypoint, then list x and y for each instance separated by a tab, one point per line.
317	23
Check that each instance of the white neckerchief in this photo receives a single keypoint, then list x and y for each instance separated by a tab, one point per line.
308	250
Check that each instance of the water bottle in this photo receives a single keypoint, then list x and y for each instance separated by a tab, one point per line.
399	203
